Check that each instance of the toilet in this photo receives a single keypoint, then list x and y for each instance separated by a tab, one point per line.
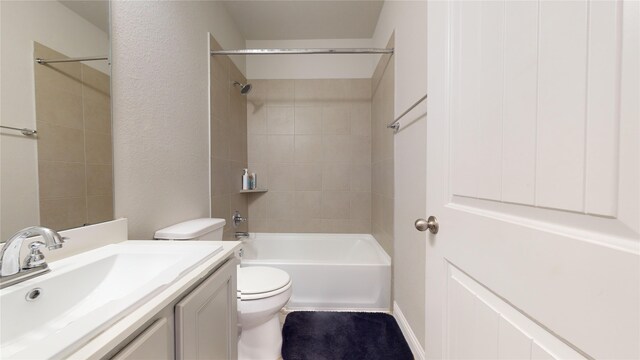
262	292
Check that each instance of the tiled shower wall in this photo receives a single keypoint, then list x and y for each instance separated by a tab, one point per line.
309	143
382	152
228	141
73	119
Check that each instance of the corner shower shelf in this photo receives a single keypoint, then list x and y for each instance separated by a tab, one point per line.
253	191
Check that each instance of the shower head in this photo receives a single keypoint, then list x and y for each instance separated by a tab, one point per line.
244	88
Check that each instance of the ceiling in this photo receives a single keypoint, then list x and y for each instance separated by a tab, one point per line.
94	11
307	19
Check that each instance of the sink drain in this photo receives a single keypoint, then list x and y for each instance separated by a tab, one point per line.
33	294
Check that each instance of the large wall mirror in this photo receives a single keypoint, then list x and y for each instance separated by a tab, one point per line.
61	176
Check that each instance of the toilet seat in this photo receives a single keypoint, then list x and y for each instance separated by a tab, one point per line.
260	282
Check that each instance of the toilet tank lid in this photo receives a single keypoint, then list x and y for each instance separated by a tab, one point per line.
189	229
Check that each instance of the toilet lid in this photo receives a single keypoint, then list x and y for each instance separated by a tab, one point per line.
261	279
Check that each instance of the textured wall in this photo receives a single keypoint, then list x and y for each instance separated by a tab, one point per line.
407	22
161	109
382	152
228	141
73	109
310	144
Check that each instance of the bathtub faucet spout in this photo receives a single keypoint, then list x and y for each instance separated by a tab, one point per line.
240	234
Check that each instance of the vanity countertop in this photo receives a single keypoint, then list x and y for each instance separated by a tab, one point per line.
103	343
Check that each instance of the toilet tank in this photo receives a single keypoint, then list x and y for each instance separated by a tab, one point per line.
197	229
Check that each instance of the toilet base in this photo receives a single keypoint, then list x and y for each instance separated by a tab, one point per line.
262	342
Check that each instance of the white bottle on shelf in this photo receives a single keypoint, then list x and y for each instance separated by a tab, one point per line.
245	180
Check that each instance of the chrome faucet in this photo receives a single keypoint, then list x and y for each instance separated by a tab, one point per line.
34	264
237	219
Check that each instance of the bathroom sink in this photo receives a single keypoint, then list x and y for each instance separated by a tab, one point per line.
51	315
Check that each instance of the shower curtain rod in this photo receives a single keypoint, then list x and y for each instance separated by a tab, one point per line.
301	51
90	58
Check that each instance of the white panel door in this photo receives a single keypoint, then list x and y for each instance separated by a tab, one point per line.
533	163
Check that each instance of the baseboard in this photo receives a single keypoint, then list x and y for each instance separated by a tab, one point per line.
414	344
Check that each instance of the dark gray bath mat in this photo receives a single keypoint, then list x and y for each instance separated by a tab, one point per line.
320	335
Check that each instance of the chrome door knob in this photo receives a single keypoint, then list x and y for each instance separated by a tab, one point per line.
431	224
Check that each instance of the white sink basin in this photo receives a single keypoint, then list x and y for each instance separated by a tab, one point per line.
86	293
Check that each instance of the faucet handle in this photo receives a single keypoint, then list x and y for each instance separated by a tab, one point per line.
35	257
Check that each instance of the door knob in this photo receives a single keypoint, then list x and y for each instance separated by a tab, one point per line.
431	223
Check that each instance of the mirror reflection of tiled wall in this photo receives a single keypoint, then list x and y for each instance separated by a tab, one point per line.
73	116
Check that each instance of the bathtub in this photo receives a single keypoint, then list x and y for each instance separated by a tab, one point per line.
328	271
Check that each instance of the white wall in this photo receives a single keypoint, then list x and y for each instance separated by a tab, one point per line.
409	21
53	25
310	66
160	100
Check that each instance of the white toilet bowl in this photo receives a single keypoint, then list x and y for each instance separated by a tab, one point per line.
262	292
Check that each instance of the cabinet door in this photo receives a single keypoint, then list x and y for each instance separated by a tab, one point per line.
154	343
206	319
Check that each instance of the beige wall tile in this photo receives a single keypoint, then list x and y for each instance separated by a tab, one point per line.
220	138
65	213
281	205
361	177
220	170
96	100
335	204
280	148
308	120
360	118
257	147
98	148
57	143
58	90
99	209
335	120
238	146
281	177
308	148
256	118
360	206
308	205
280	120
361	149
220	99
336	176
308	177
220	208
99	180
257	205
336	148
61	180
360	89
332	154
337	226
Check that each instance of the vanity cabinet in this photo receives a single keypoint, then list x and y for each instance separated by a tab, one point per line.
153	343
206	319
200	324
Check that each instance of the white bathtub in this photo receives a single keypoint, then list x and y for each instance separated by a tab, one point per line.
328	271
